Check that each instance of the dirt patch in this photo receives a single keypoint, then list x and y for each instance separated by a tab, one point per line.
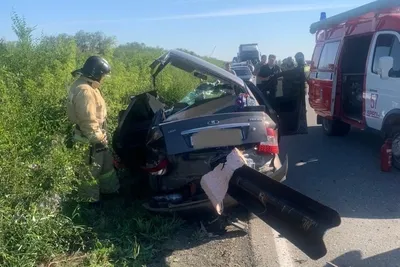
192	247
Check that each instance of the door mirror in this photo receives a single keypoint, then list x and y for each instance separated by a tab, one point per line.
384	66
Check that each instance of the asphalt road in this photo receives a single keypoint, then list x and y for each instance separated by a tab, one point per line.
343	173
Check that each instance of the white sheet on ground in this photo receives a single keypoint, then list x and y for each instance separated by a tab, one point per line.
215	183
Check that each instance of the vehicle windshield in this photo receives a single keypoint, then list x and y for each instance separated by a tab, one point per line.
242	71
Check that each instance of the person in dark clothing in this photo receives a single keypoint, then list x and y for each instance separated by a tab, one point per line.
294	78
294	86
257	68
269	83
301	65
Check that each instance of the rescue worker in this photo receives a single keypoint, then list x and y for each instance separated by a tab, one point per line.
294	85
86	109
269	82
287	83
287	64
228	68
257	68
301	63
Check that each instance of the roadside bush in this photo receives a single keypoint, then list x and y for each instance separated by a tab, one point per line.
37	170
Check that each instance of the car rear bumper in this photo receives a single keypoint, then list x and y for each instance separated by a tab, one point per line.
269	165
278	174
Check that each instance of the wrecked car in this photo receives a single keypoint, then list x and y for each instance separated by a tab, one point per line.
176	145
185	147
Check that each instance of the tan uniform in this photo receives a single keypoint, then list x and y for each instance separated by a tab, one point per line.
86	108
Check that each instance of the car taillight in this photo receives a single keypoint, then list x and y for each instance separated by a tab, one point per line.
271	145
159	169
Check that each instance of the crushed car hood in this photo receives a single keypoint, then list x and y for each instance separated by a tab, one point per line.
189	63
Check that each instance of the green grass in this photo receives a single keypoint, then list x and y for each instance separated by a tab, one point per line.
122	236
39	224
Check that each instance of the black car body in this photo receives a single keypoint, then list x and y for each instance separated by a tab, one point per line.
177	145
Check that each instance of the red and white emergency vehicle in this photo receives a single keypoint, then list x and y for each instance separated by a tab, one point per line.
355	71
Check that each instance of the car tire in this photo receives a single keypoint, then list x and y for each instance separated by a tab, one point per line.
335	127
395	136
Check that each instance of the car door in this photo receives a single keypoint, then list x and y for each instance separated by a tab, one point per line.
134	123
286	122
382	95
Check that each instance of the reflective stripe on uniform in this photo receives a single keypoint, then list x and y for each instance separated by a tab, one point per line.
103	170
103	178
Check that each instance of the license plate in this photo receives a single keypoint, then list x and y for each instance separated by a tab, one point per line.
216	138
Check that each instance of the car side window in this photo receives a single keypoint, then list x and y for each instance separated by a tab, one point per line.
328	55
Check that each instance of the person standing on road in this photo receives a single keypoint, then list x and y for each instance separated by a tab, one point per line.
302	82
288	74
228	68
86	109
269	83
294	84
257	69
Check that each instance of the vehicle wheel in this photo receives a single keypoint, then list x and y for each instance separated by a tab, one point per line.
335	127
395	135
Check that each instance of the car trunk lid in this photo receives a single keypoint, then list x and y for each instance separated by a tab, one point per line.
217	130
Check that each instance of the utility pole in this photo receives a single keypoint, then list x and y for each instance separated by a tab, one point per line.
213	51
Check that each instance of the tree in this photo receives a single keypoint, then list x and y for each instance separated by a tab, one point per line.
21	29
96	43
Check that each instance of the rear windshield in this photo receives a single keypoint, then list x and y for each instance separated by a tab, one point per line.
204	93
249	47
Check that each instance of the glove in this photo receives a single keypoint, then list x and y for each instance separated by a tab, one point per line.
105	139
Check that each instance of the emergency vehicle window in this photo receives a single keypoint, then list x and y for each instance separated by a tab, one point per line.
395	53
316	56
383	47
328	55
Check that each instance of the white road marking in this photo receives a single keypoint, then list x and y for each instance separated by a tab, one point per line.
282	250
269	249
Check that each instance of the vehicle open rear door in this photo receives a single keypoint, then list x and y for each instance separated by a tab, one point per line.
291	112
287	112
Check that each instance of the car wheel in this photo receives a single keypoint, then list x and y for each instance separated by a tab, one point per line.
395	135
335	127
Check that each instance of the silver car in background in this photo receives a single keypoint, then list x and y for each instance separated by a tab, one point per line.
244	73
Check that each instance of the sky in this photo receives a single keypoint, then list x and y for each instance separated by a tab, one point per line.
207	27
